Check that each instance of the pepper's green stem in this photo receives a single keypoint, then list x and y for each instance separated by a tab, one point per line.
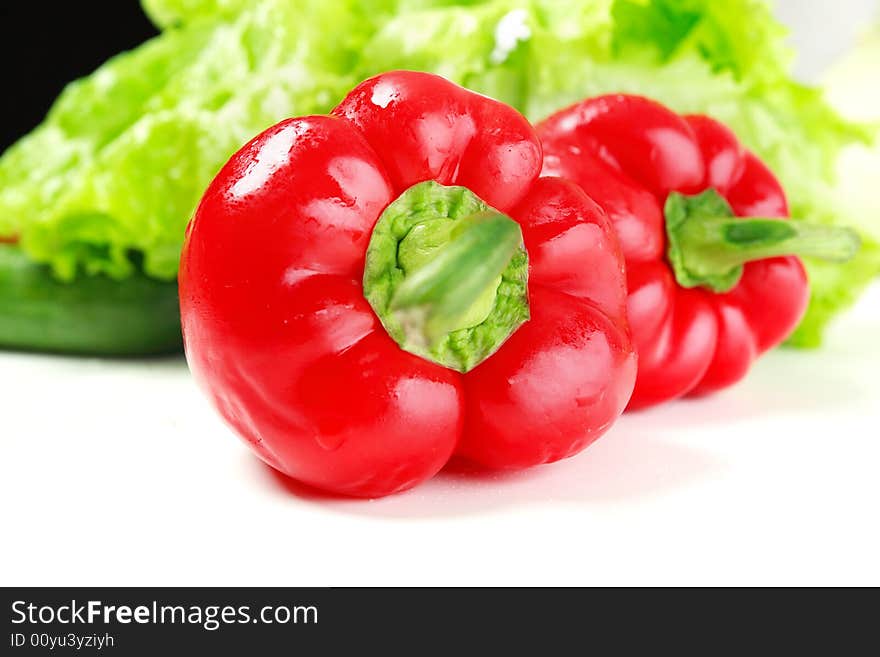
447	275
449	291
708	246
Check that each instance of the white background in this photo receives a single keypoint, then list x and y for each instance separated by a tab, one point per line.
118	473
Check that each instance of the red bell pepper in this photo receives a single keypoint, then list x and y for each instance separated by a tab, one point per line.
364	294
708	291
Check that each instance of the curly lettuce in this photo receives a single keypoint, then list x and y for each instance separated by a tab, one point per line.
124	155
176	13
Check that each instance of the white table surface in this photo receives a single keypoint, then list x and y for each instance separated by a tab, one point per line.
118	473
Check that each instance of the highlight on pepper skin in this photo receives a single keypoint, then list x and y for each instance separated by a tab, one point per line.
366	293
709	290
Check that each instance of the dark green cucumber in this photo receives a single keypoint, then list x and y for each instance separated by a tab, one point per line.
94	315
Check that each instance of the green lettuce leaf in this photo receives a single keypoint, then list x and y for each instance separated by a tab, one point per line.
125	154
176	13
852	88
728	60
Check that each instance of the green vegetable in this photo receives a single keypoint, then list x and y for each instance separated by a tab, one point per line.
96	315
125	154
725	59
171	13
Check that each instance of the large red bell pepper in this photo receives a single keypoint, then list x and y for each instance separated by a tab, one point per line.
708	292
359	305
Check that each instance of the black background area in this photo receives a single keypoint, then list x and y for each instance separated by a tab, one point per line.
45	45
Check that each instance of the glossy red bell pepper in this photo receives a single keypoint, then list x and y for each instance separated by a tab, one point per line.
366	293
708	292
